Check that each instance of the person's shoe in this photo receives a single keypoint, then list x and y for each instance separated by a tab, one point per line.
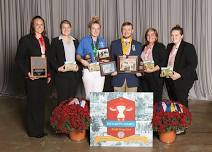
39	136
180	132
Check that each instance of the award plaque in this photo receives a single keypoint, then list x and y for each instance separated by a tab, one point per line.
149	64
128	64
107	68
166	72
70	67
39	67
94	67
103	54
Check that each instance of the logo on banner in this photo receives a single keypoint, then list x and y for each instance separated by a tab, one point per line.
121	117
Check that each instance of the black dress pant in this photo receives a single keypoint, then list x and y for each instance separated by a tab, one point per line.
177	93
151	82
66	85
35	108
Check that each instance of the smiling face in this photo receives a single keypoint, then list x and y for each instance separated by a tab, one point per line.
176	36
65	29
95	30
151	37
127	31
38	26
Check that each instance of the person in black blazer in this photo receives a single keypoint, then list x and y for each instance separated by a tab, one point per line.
34	44
63	50
182	58
153	51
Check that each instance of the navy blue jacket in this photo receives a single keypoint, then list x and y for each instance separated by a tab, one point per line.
116	50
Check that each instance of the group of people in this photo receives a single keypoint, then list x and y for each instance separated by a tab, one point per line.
179	55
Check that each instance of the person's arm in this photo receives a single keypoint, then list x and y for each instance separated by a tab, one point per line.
80	54
113	57
52	55
21	56
49	70
191	60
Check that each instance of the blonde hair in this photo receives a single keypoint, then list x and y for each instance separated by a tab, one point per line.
94	20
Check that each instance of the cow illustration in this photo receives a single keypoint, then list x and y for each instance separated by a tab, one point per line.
121	109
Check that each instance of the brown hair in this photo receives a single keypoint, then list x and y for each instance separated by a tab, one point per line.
126	24
94	20
32	28
151	29
178	28
64	22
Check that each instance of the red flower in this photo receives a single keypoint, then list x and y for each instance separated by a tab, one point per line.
69	115
170	121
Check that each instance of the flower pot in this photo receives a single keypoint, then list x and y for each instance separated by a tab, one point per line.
77	135
167	137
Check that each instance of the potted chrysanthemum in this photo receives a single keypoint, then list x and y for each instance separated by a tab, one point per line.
168	117
71	117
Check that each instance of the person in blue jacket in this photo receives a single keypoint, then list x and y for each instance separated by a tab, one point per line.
87	54
126	46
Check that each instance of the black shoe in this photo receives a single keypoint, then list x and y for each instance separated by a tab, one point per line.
38	136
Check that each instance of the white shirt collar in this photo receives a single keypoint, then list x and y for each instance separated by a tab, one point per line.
61	37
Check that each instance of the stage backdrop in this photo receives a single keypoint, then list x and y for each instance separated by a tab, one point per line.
193	15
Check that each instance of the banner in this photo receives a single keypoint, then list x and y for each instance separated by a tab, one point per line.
121	119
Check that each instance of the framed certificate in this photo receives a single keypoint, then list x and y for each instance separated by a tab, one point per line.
38	67
70	67
128	64
103	54
94	67
107	68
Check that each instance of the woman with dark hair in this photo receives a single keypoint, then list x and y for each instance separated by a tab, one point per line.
182	58
35	44
88	49
153	52
63	51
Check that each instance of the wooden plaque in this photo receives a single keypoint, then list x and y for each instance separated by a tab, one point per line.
128	64
39	67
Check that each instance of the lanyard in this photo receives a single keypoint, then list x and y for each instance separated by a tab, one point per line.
95	47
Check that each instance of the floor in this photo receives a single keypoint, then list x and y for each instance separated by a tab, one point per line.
14	139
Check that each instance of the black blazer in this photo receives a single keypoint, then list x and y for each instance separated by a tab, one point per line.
57	54
159	54
29	46
185	63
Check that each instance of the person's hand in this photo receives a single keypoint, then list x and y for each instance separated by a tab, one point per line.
31	77
77	68
85	63
175	76
147	70
61	68
114	74
105	61
48	80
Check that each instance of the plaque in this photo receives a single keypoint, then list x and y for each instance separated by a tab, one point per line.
70	66
128	64
166	72
107	68
103	54
39	67
94	67
149	64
